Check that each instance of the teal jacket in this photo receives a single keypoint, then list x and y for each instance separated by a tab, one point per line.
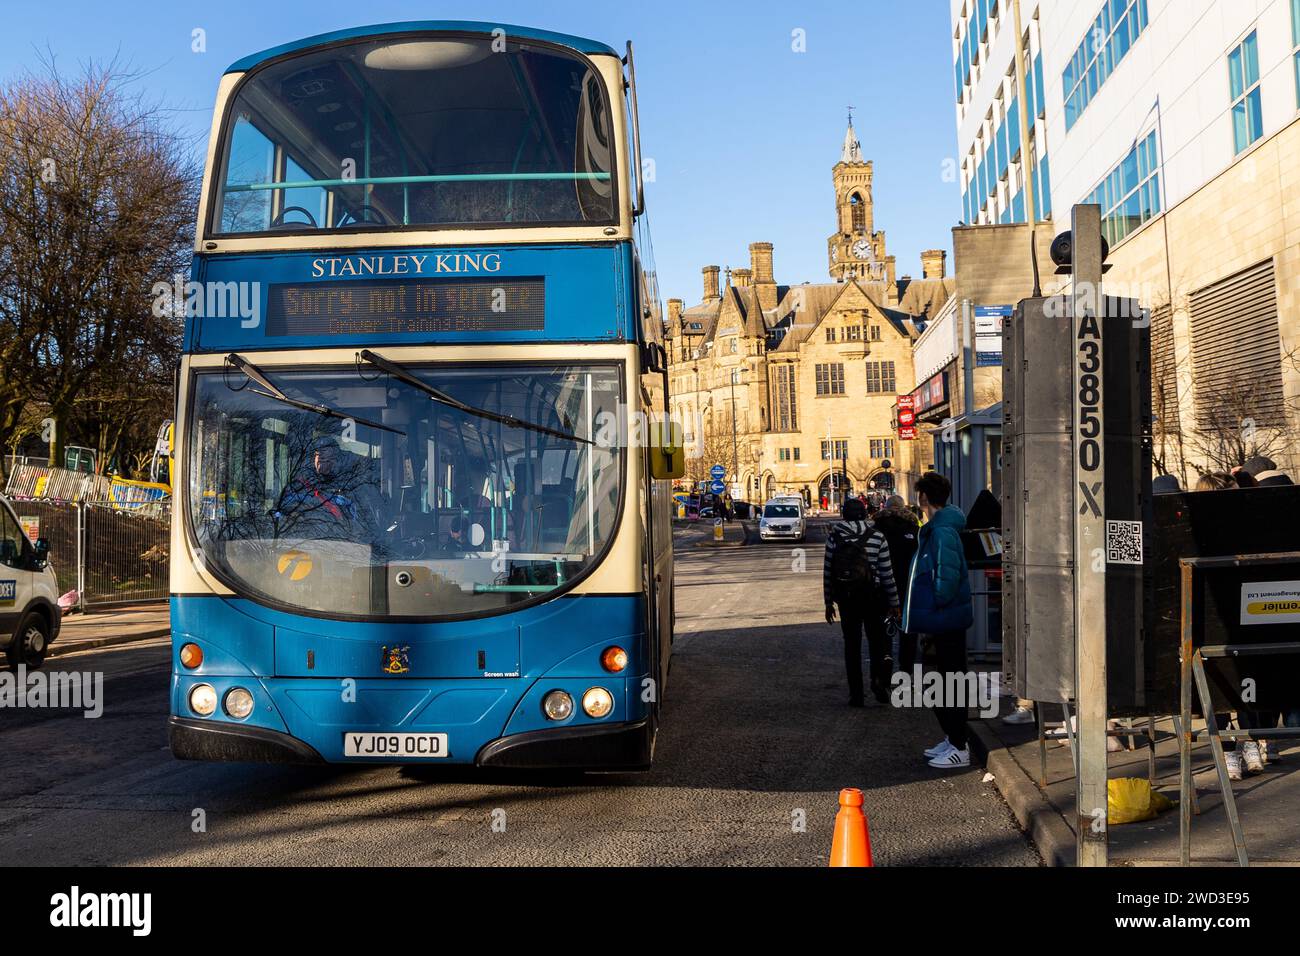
940	557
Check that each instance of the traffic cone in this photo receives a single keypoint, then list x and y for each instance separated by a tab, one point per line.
851	845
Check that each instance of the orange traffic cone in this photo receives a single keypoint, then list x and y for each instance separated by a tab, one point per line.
851	845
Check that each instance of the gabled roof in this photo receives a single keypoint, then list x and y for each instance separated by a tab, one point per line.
926	296
802	308
822	298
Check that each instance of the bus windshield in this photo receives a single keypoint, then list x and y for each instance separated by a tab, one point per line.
420	131
440	512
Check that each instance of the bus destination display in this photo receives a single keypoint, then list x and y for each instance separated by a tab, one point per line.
406	305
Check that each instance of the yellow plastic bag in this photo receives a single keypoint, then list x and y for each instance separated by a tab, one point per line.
1131	799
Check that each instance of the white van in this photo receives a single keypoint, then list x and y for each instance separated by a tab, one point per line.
29	593
783	517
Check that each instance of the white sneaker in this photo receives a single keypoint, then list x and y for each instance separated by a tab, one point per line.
1233	760
952	759
1021	715
939	749
1250	756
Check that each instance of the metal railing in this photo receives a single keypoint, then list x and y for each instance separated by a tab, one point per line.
103	552
56	484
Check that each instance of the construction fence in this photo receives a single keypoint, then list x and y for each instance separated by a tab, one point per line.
103	552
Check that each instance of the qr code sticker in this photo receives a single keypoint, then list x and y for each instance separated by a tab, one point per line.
1123	542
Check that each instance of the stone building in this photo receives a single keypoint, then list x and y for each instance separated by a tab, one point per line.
792	388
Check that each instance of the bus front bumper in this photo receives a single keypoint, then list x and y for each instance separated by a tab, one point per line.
627	746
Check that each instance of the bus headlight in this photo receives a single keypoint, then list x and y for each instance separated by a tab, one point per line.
203	700
238	703
613	659
597	702
557	705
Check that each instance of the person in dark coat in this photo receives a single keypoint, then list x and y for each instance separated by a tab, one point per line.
865	592
900	528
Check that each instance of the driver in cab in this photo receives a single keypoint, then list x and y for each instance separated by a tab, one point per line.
322	498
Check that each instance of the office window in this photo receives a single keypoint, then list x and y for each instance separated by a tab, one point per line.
1130	193
875	333
1107	42
830	378
733	346
852	333
882	448
796	454
880	378
837	449
830	333
787	417
1243	83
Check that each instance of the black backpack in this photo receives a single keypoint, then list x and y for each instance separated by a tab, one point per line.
849	565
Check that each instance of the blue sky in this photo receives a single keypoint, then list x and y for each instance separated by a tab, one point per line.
743	130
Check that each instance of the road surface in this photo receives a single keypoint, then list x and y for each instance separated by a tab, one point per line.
756	742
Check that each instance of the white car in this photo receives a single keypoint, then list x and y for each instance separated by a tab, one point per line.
782	518
29	593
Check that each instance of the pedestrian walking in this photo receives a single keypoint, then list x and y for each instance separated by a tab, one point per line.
939	606
858	578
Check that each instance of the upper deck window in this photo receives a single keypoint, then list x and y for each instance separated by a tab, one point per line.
416	131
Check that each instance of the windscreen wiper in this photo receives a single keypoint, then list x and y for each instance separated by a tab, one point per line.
442	398
272	392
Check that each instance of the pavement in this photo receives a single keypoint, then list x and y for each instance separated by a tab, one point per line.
104	628
756	742
1268	804
700	534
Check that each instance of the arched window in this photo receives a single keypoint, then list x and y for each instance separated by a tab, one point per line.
858	211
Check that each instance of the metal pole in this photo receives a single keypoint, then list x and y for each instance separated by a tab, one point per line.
1089	537
80	507
1026	124
1186	786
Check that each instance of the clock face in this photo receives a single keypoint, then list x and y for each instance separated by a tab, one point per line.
862	248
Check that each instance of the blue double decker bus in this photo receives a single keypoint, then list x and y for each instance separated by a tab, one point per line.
423	482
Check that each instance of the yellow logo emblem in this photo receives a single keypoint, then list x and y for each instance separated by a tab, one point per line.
296	564
396	659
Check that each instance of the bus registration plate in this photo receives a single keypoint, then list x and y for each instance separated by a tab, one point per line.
414	746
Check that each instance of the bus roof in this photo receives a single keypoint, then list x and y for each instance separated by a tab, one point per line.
415	26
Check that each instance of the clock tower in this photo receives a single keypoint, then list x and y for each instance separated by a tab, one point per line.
856	251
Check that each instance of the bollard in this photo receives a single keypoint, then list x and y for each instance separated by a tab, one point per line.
717	529
851	845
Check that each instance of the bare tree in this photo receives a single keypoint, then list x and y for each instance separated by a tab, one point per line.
97	203
1240	415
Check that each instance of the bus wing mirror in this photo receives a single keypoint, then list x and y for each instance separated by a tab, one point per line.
668	454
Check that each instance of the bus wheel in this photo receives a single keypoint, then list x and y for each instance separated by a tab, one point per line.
31	641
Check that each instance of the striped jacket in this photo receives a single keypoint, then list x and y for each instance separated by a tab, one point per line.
877	557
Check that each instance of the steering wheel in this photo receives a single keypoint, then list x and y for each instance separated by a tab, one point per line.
365	213
279	223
